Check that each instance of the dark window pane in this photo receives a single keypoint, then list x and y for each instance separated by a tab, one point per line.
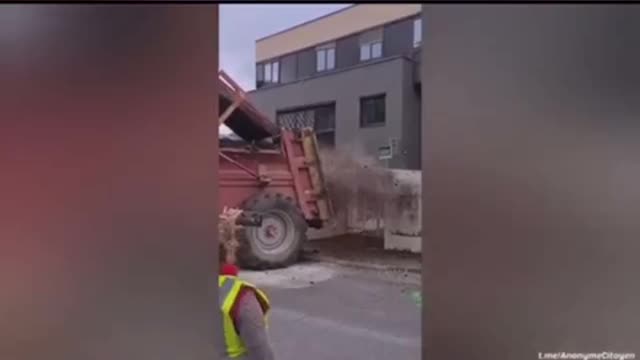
326	139
372	110
380	111
259	72
324	118
288	68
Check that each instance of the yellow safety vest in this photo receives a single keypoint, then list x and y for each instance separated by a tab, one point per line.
228	290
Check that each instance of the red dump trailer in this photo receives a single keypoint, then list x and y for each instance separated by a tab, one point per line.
274	175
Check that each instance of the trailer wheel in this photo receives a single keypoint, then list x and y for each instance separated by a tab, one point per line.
278	241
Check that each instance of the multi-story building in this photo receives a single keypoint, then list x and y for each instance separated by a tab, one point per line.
353	75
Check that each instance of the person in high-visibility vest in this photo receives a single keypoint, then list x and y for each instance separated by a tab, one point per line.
243	306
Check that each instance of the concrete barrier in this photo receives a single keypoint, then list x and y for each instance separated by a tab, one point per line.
403	212
394	213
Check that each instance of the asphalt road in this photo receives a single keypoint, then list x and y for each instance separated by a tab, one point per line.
323	312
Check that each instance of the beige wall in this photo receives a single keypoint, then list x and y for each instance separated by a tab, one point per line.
352	20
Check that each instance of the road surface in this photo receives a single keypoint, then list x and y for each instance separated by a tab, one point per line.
325	312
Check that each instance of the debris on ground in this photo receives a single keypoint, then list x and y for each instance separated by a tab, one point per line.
298	276
357	247
360	249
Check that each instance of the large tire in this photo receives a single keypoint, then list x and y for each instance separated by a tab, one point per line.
278	241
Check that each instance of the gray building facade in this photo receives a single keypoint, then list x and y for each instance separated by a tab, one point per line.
360	90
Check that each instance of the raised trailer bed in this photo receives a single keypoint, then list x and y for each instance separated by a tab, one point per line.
274	175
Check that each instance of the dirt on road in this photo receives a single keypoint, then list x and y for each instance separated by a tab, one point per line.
362	250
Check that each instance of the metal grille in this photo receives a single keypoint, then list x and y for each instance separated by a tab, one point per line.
296	119
319	118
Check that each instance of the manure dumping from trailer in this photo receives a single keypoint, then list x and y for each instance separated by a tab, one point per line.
358	186
354	179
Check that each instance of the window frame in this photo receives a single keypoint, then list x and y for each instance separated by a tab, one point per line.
323	130
267	72
417	32
368	40
366	101
368	49
321	59
369	46
260	72
271	72
331	50
259	75
322	52
275	72
373	44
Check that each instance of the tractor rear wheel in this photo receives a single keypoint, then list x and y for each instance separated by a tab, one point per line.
278	241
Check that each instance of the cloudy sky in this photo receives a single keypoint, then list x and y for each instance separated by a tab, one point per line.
241	25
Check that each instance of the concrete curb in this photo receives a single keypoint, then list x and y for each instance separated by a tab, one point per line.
361	265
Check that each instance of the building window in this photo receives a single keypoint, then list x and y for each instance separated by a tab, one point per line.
325	58
259	75
371	51
417	32
372	110
275	72
271	72
371	45
267	72
321	118
288	68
